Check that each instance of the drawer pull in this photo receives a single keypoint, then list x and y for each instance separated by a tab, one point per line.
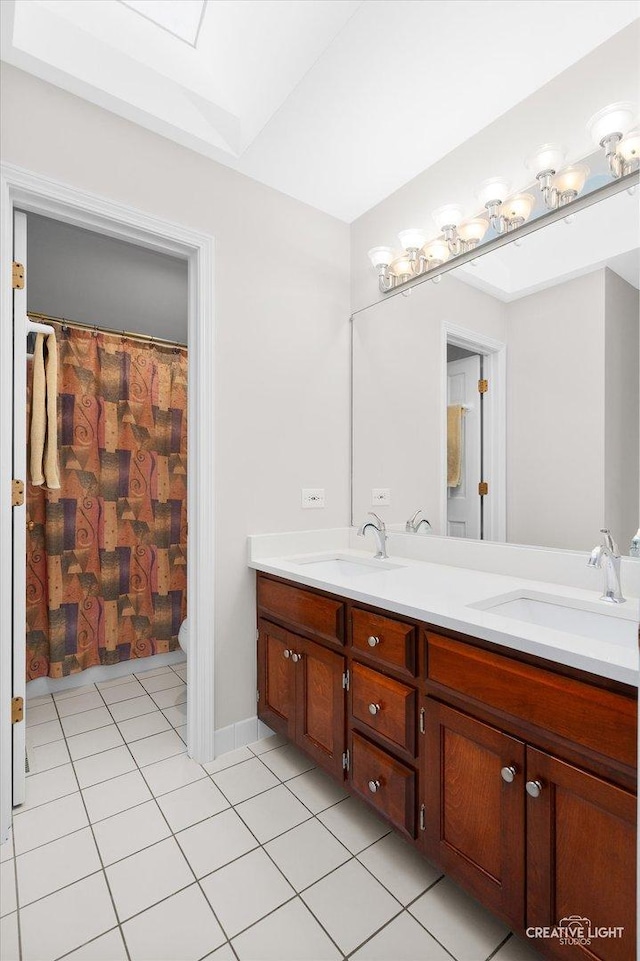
286	654
295	657
534	788
373	641
374	709
508	773
374	786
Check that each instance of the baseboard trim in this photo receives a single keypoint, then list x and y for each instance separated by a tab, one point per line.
239	734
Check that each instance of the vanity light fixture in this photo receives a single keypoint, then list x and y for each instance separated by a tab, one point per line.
612	129
460	235
558	184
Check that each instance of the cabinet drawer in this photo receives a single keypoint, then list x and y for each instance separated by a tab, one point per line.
323	616
384	782
600	720
387	707
386	640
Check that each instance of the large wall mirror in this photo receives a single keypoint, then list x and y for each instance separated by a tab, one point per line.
504	401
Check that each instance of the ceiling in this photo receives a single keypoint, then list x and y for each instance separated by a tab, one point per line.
337	103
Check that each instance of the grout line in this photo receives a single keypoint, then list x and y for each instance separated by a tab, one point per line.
501	945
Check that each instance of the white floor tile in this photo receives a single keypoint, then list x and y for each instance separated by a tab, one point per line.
40	713
116	795
403	940
214	842
115	682
43	734
48	822
144	726
6	849
351	905
170	698
156	748
67	919
129	832
122	692
181	927
316	790
76	705
399	867
245	780
134	707
458	922
228	760
192	803
38	699
174	772
182	733
286	762
153	672
108	947
182	672
267	744
55	865
148	877
86	721
49	785
272	813
177	716
245	891
289	934
160	682
517	950
9	947
8	902
67	692
225	953
353	824
94	742
103	766
307	853
47	756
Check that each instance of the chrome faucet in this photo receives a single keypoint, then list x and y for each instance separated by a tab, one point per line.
609	554
380	531
413	525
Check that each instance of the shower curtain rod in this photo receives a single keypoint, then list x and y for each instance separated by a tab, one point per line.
148	338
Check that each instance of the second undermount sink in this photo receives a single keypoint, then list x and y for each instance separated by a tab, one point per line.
330	565
564	614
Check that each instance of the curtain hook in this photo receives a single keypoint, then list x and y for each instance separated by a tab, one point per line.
94	332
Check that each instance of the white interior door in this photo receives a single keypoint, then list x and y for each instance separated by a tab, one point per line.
19	513
463	502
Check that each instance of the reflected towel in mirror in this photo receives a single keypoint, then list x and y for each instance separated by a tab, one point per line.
454	445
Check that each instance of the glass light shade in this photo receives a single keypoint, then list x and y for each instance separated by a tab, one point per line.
437	250
549	156
616	118
473	230
381	256
571	178
450	215
518	207
494	189
411	239
401	267
629	146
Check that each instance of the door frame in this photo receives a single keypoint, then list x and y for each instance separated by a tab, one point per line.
29	191
494	353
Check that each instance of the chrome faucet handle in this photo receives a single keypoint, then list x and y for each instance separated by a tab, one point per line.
410	526
381	525
609	542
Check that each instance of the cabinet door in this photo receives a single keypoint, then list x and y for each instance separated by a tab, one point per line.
474	817
320	704
276	678
581	858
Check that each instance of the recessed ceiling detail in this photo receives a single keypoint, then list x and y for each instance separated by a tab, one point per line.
182	18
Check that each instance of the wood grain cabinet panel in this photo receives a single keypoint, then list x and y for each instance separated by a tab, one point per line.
276	678
384	782
320	705
385	640
385	706
315	613
581	858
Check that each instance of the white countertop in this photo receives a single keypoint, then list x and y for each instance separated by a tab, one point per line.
440	595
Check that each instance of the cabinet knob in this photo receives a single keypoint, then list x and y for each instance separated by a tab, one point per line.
534	788
286	654
374	709
373	641
295	657
509	773
374	786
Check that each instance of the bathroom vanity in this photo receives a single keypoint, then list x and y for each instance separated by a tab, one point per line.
515	773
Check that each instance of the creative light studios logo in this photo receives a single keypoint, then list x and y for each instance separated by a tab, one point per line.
575	930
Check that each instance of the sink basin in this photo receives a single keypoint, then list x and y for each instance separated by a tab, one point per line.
340	566
562	614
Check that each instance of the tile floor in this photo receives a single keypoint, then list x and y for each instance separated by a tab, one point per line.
127	850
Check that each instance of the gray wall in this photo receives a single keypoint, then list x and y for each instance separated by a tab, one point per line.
85	276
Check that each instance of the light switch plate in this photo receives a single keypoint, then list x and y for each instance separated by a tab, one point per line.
380	496
312	498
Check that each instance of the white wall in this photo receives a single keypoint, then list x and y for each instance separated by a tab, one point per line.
81	275
282	333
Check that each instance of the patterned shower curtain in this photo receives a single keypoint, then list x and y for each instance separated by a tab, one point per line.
106	554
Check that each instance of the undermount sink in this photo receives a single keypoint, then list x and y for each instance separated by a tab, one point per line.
562	614
341	566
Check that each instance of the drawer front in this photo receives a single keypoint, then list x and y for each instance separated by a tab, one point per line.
322	616
387	707
386	640
600	720
384	782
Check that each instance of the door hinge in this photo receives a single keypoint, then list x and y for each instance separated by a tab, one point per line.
17	276
345	680
257	635
17	493
422	818
483	488
257	697
345	761
483	386
17	709
422	727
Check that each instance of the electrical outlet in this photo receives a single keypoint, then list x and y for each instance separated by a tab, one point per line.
380	496
312	498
